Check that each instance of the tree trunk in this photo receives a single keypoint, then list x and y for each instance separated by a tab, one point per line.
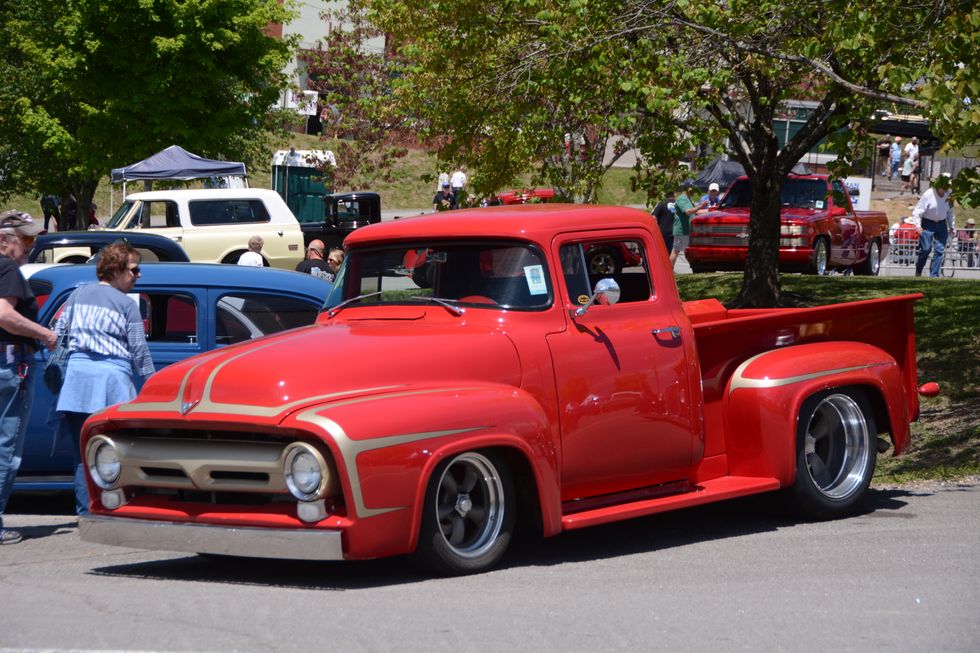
84	191
760	284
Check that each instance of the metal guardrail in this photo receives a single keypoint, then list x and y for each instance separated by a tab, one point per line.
962	252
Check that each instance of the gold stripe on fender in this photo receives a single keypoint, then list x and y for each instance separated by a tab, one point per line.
349	450
740	381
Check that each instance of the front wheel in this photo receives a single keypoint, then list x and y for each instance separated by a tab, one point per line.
469	514
820	257
836	451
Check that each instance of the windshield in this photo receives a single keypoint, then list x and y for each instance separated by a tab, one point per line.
482	275
118	218
798	193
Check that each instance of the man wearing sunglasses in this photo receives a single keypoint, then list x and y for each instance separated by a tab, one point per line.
19	337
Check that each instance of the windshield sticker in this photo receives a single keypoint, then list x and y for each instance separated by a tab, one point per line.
818	204
583	299
535	279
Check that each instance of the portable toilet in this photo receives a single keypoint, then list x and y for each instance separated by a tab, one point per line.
299	178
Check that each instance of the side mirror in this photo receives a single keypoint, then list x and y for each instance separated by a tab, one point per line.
606	292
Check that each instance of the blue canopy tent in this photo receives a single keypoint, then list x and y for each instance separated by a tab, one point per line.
176	163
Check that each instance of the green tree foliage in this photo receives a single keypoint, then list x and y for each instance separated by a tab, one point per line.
92	84
506	79
352	72
478	83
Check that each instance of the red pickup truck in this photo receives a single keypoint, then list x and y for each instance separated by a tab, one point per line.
816	233
468	370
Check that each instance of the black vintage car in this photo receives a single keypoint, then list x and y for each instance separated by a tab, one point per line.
342	214
83	246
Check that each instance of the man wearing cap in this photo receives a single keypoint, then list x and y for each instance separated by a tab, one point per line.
444	200
19	336
966	242
314	263
710	200
934	211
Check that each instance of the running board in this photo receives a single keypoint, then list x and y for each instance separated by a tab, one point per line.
719	489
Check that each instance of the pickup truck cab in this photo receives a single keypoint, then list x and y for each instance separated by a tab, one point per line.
478	371
214	225
819	230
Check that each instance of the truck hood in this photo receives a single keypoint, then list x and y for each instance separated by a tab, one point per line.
323	363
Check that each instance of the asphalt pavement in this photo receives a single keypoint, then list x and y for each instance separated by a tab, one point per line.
902	576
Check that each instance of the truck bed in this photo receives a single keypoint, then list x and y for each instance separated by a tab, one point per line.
726	338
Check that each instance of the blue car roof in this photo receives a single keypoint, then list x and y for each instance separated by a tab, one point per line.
194	275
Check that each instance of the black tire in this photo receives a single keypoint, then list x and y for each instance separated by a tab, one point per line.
699	269
469	512
820	259
871	265
836	452
604	261
232	259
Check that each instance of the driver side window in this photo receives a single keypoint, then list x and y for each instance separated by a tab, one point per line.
583	264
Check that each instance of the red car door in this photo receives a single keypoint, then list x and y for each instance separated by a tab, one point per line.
627	410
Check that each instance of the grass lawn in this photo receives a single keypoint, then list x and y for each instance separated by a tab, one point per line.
946	439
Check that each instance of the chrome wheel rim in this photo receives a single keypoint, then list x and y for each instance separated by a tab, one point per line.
821	258
874	257
603	263
470	505
837	447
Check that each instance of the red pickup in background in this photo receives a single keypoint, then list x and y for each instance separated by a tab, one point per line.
820	230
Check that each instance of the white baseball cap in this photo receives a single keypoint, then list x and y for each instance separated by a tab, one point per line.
714	186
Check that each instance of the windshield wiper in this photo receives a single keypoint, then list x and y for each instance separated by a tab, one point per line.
446	303
336	309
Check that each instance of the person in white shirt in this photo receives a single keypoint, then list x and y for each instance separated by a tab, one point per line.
458	180
253	256
935	213
912	149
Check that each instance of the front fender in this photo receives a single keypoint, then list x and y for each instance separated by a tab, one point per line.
387	445
765	393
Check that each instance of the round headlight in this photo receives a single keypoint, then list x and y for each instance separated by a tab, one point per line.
304	472
103	462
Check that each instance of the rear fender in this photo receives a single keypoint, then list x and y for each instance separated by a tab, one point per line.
766	392
387	446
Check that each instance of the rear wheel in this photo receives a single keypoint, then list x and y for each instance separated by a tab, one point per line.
872	264
836	451
469	514
820	257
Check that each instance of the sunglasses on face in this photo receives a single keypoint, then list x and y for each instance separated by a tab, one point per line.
135	270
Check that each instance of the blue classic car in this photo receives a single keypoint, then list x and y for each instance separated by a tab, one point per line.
187	309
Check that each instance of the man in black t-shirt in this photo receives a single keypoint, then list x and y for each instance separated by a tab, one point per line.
444	200
19	334
314	263
664	215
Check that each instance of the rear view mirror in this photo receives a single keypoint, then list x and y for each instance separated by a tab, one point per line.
606	292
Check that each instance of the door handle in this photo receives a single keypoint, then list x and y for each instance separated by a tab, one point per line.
674	331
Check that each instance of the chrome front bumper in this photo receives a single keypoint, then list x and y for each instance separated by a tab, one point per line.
241	541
